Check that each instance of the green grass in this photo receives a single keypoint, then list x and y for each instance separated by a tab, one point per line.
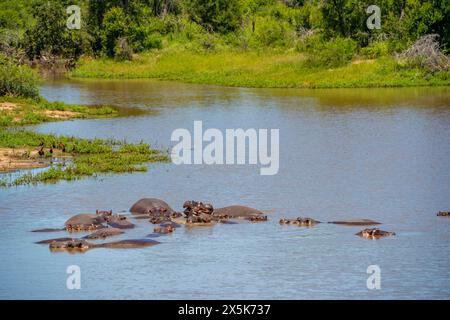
87	157
84	157
267	69
29	111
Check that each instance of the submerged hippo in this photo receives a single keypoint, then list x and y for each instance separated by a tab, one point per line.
49	230
151	206
48	241
300	221
259	218
443	214
374	233
128	244
170	223
84	222
164	229
356	222
120	222
80	245
236	212
70	245
104	233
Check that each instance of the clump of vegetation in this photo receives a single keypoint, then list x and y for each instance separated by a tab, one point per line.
323	34
17	80
86	157
25	111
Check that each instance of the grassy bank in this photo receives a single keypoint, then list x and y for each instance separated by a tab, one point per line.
26	111
260	70
70	158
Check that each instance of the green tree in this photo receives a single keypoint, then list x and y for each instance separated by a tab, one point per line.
221	16
115	26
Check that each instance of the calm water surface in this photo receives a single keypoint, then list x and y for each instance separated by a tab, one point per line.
382	154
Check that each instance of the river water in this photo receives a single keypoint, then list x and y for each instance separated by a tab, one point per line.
382	154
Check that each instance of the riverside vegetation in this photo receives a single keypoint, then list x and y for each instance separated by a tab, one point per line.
69	158
251	43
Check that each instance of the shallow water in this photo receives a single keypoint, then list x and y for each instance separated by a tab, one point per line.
381	154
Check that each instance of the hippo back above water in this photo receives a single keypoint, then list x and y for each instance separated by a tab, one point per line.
236	212
151	206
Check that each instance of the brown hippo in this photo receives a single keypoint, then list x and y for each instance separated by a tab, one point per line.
443	214
128	244
104	233
374	233
151	206
300	221
70	245
164	230
77	245
259	218
49	230
356	222
170	223
48	241
119	221
84	222
236	212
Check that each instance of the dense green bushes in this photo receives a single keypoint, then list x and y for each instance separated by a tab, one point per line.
331	54
119	28
17	80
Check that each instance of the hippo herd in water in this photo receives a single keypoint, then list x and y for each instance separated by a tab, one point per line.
105	224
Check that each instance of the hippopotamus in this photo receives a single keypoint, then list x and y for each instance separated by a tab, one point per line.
300	221
104	233
236	211
198	212
151	206
70	245
128	244
374	233
170	223
48	241
120	222
443	214
80	245
259	218
356	222
49	230
84	222
164	230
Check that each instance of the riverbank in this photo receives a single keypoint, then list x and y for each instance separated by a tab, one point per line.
258	70
69	158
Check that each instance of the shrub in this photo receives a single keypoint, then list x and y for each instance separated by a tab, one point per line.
331	54
375	50
17	80
114	27
221	16
144	38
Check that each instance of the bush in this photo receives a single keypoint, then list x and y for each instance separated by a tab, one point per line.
144	38
115	26
375	50
270	32
17	80
331	54
221	16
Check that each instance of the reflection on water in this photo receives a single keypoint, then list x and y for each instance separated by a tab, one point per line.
380	154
